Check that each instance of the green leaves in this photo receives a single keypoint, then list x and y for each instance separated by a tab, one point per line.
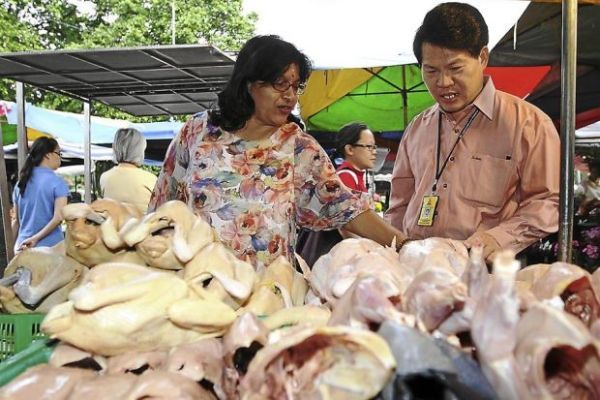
56	24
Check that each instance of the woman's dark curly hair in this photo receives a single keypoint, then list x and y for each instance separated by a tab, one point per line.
263	58
455	26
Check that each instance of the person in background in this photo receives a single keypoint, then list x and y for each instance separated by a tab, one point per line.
481	165
250	171
127	182
591	189
355	144
39	197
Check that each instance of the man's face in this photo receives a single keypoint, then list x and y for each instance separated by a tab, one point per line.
454	77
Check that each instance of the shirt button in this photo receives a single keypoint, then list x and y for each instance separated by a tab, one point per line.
452	158
445	185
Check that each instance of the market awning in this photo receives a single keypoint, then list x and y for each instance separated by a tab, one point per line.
140	81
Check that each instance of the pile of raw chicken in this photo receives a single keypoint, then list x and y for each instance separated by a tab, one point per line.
153	307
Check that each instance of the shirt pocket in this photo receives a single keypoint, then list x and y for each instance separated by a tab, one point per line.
487	179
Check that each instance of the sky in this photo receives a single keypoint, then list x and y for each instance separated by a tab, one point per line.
361	33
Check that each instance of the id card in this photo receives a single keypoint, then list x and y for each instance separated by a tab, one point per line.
427	210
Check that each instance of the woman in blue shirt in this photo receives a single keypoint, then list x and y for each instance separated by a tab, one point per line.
39	197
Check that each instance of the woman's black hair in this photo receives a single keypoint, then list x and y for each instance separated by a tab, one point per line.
349	134
40	147
263	58
456	26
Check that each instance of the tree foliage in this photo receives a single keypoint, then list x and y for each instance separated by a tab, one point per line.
57	24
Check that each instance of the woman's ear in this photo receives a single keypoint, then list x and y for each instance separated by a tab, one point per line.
348	150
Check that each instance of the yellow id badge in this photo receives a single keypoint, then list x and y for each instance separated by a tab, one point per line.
427	210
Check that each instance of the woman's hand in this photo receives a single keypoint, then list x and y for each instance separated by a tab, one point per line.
28	243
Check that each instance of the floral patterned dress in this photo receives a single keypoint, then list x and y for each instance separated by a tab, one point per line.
255	193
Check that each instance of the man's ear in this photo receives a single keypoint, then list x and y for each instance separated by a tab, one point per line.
484	56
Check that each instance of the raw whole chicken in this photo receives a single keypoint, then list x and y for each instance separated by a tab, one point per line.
44	382
557	356
126	307
435	252
200	361
92	235
65	355
572	284
244	338
494	329
366	305
280	286
168	237
59	383
334	273
319	363
216	273
37	279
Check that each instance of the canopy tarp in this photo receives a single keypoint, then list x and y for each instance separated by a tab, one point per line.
388	99
536	41
69	127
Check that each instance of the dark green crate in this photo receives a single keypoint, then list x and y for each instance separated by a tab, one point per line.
17	332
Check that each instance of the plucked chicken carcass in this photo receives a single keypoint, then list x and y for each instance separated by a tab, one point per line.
138	363
570	283
244	338
494	329
216	273
557	356
65	355
200	361
319	363
367	305
435	252
169	237
36	279
476	278
60	383
280	286
437	289
45	382
334	273
126	307
93	232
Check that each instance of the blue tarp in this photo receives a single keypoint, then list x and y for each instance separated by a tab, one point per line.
69	127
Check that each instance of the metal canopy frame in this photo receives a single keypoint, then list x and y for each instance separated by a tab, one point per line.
142	81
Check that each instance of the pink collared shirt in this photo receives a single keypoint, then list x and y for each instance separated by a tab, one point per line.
502	178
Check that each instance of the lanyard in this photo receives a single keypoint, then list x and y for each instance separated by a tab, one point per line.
438	171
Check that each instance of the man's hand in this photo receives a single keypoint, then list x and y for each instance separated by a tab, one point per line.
489	243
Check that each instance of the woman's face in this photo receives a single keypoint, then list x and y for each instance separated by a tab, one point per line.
271	106
363	153
54	158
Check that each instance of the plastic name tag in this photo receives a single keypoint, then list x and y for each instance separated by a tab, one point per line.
427	210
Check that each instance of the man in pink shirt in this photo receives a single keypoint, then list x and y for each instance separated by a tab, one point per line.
481	165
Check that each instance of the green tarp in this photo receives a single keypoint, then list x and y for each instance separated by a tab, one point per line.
386	103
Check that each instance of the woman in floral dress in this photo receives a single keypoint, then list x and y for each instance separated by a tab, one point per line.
250	170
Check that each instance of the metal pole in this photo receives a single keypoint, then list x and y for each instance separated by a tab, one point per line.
173	22
5	204
568	70
22	146
87	152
